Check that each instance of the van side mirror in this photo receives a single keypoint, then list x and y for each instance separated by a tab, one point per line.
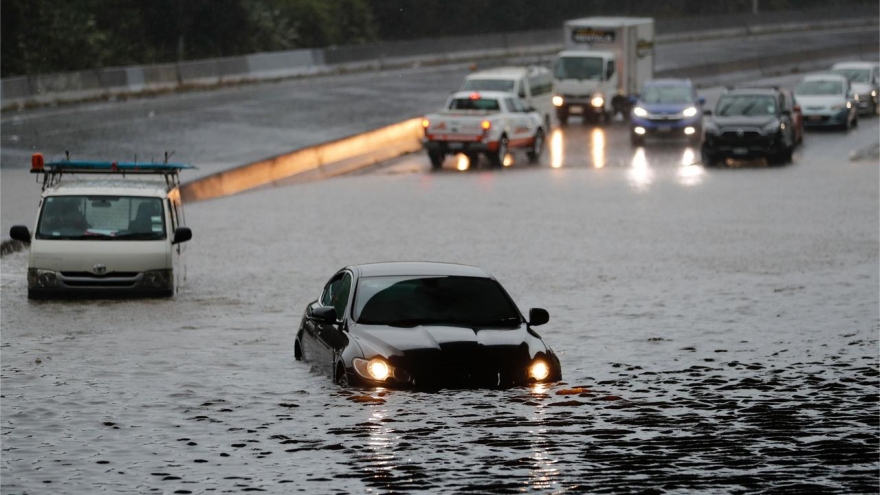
538	316
182	234
20	233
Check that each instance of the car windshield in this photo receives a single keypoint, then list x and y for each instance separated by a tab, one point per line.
855	75
819	87
578	68
408	301
101	218
746	105
488	85
474	103
667	94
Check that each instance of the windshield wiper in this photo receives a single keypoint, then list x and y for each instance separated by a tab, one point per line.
139	235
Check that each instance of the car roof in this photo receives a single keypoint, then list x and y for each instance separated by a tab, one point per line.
484	94
111	187
405	268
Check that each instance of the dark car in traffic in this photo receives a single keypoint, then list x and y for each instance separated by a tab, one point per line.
667	108
423	325
751	123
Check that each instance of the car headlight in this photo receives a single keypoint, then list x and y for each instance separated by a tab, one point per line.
689	111
597	101
158	279
39	278
376	369
640	112
539	370
557	101
772	126
711	127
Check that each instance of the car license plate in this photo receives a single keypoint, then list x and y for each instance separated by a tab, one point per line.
740	151
575	109
664	128
455	146
814	117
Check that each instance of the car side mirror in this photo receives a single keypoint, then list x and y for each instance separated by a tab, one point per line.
701	100
20	233
538	316
182	234
324	314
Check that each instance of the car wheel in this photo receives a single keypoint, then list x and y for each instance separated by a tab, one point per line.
497	158
436	158
535	152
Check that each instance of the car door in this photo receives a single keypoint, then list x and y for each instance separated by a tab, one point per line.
522	125
330	337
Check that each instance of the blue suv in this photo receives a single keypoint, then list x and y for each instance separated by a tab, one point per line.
667	108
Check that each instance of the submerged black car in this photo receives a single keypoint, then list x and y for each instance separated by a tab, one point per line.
423	325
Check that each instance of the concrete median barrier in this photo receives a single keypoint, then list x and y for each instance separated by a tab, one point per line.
324	160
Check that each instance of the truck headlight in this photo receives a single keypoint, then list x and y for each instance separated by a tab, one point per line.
39	278
557	101
158	279
597	101
689	111
640	112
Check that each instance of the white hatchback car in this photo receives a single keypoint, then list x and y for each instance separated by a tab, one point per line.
118	235
865	79
827	100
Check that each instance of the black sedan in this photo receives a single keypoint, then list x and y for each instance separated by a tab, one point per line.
423	325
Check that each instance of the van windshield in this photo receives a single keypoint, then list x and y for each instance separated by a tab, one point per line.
101	218
488	85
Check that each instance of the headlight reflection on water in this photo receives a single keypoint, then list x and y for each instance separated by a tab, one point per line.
543	474
597	147
690	174
556	156
640	174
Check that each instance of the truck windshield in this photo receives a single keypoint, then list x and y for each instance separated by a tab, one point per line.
409	301
101	218
578	68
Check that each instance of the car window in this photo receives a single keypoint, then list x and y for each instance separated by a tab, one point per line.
336	293
515	105
474	103
414	300
746	105
855	75
819	87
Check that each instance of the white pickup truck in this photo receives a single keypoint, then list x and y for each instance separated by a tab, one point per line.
488	122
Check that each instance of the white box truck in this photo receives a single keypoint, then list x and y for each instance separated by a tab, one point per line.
604	63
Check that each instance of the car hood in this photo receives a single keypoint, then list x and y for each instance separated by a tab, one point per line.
819	100
861	88
743	121
389	341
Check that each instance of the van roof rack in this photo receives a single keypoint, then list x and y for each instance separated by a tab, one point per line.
54	170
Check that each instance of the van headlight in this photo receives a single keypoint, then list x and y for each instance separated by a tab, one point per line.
158	279
42	279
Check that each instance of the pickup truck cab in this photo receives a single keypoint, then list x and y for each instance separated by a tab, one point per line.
491	123
120	234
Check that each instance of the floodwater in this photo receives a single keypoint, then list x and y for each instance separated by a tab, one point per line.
717	328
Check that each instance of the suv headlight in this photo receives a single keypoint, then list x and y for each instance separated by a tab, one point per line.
689	111
711	128
774	126
158	279
640	112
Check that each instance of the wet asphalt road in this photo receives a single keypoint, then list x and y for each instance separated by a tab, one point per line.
718	332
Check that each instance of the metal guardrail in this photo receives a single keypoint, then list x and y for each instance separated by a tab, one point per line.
21	91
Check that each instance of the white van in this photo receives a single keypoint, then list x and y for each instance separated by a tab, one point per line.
119	232
533	85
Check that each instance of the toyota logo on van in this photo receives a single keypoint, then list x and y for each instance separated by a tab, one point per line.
99	269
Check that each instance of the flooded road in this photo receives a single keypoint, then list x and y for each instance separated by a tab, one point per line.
717	328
